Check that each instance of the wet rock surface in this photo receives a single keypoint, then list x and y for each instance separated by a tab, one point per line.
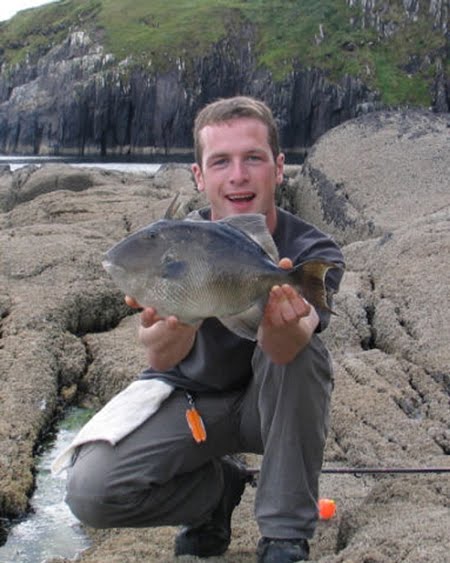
380	185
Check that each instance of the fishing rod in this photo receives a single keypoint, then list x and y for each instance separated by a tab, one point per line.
389	470
372	470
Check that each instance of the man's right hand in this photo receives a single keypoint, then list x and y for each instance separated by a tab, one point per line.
166	340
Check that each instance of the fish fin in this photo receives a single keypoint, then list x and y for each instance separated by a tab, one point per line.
194	216
173	208
255	227
309	277
174	269
246	323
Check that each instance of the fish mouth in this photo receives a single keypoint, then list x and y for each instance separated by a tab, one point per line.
107	265
112	268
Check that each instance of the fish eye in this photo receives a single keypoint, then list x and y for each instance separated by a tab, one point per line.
169	257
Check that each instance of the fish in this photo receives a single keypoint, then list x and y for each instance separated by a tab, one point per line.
196	269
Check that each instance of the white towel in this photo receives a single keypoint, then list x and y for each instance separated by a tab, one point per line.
118	418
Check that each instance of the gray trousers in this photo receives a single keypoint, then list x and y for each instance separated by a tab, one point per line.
158	475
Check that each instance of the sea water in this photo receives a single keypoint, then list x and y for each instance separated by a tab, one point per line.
126	165
149	164
50	529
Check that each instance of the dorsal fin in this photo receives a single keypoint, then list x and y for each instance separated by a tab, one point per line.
195	216
173	208
255	227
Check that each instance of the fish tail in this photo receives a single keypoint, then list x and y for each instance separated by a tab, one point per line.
309	279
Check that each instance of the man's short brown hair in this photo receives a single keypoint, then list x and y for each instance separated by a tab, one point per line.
226	109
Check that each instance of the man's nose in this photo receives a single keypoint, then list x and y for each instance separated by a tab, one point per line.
239	171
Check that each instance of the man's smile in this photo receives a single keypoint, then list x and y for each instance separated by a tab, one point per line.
241	197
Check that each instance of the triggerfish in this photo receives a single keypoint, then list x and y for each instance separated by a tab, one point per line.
195	269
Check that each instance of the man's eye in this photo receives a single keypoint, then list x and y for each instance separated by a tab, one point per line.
219	162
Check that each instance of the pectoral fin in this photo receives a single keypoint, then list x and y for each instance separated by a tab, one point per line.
246	323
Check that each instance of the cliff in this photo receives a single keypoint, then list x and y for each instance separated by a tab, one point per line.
77	101
74	80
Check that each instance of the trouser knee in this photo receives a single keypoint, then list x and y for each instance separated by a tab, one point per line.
104	493
88	493
88	511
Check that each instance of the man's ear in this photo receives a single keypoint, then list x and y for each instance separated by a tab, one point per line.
198	176
280	168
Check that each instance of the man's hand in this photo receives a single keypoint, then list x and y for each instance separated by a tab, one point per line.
288	322
285	306
149	316
166	340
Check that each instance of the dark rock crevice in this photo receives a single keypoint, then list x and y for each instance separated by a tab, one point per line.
370	341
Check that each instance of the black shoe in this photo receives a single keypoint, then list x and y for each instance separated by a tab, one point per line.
282	550
214	536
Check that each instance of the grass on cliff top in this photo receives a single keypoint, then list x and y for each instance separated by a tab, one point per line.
158	34
287	31
33	32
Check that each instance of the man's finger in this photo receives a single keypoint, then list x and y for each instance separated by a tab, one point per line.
172	322
285	263
148	317
131	302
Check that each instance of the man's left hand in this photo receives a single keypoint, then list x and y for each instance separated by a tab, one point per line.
288	322
285	305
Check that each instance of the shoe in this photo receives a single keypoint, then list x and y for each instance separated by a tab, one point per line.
214	536
271	550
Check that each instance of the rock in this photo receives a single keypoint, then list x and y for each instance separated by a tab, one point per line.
33	181
54	291
379	185
386	162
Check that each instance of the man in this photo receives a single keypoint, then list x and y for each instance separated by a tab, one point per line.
270	397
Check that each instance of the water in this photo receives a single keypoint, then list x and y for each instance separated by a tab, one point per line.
16	162
139	165
50	530
144	165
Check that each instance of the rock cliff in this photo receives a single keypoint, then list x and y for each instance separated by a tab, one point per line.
77	101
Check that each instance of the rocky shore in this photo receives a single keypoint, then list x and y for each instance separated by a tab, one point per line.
380	184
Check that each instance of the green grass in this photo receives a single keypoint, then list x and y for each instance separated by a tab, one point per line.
158	34
35	31
399	87
289	36
402	73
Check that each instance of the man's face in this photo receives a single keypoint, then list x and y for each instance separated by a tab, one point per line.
238	172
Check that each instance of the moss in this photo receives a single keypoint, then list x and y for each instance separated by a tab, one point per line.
75	418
